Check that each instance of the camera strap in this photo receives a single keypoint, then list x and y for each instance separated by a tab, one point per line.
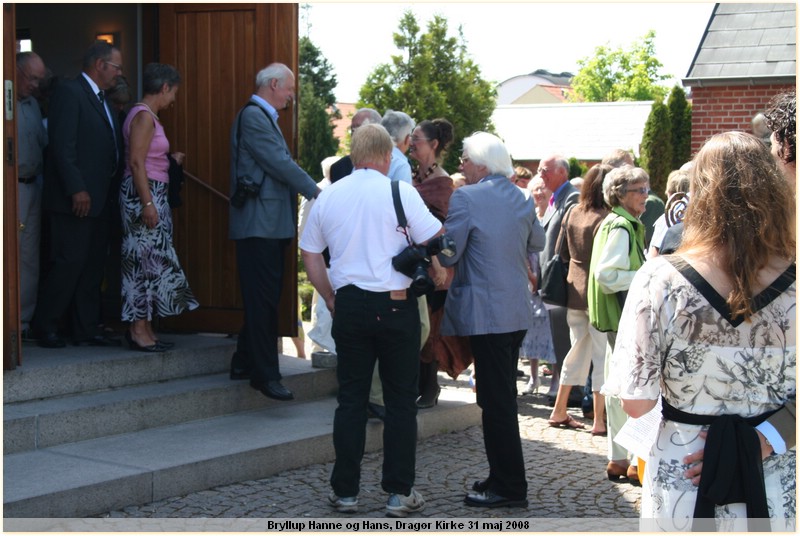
402	223
239	133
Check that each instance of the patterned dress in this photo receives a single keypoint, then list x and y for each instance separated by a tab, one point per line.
538	341
678	340
153	282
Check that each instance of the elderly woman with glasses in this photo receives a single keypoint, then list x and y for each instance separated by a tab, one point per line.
429	140
617	253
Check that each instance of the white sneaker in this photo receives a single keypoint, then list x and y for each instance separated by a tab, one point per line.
402	505
346	505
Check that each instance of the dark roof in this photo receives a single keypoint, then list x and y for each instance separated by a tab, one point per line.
754	42
557	79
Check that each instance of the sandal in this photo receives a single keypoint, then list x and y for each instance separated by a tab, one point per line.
569	422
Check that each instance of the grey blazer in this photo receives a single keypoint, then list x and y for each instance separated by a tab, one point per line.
264	157
551	222
495	229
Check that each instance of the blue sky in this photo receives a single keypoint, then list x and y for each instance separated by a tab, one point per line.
506	39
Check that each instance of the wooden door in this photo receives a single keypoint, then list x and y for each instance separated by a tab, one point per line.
218	49
11	326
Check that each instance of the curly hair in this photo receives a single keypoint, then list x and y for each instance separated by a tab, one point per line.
781	120
741	212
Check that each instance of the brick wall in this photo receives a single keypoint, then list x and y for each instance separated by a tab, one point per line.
724	108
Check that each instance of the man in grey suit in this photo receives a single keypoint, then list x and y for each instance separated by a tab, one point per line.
554	171
265	181
495	229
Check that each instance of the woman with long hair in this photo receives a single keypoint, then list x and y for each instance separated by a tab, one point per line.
711	331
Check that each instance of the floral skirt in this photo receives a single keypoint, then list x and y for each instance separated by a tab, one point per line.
153	282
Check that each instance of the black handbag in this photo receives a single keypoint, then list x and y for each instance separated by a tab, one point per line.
553	289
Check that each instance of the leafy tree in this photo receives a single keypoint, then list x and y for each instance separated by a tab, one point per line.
433	77
576	168
656	150
316	84
613	75
680	117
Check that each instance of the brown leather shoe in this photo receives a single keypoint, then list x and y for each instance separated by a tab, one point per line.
616	471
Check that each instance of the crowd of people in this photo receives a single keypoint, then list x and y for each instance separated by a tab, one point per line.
687	308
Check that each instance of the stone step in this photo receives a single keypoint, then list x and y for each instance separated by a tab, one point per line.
54	421
47	373
91	477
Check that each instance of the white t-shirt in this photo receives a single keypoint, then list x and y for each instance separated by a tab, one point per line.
355	219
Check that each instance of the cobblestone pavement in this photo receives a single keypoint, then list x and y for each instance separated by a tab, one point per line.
565	471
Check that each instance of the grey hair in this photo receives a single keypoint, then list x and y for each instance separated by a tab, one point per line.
273	71
398	124
365	116
100	50
617	181
488	150
618	158
155	75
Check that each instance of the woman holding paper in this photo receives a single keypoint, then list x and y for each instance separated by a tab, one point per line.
712	331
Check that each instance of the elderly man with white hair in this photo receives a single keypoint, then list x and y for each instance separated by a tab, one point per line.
495	229
399	125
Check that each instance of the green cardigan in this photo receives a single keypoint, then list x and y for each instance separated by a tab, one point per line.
605	309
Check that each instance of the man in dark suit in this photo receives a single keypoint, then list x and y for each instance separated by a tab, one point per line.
267	180
344	166
554	171
495	228
85	152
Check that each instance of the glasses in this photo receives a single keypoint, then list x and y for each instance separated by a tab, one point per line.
463	160
644	190
117	66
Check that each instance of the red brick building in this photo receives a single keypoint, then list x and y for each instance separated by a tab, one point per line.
747	55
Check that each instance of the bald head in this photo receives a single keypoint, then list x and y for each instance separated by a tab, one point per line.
31	71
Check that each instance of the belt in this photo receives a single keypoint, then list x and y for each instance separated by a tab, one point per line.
27	180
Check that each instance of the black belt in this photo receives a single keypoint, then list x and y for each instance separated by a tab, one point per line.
732	470
27	180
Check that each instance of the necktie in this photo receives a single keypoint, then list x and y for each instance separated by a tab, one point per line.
102	96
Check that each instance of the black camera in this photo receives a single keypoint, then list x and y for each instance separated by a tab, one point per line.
414	261
245	189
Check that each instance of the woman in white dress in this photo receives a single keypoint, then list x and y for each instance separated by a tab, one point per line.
712	330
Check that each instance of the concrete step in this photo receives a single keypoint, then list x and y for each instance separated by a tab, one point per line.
54	421
47	373
95	476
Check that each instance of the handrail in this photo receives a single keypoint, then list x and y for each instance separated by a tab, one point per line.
207	186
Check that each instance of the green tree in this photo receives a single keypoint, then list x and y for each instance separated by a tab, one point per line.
656	150
680	118
576	168
613	75
314	121
433	77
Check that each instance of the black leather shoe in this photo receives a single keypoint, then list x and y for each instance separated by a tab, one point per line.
274	389
489	499
168	345
51	340
98	340
153	348
480	485
376	411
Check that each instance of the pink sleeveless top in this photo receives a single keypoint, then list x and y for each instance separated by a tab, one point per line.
156	163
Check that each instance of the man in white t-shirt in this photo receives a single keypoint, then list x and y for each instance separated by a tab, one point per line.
375	316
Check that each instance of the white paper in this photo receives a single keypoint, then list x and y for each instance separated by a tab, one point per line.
638	435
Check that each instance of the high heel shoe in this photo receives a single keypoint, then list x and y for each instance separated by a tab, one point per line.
153	348
427	402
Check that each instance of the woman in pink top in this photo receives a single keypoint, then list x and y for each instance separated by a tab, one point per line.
153	282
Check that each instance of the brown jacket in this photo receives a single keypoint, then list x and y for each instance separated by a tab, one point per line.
576	249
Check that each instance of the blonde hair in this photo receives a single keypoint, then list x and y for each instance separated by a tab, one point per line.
742	207
370	145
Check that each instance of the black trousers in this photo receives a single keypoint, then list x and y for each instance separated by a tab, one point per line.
368	326
260	263
77	255
496	356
